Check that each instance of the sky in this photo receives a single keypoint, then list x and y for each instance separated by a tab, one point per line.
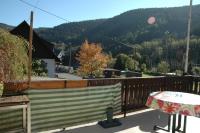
13	12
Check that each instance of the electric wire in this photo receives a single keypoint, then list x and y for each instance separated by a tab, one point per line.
36	7
50	13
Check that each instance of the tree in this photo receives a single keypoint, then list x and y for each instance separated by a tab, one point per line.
125	62
13	57
39	67
143	67
196	70
91	59
112	61
163	67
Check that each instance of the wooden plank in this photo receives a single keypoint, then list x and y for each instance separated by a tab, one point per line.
48	84
13	100
76	83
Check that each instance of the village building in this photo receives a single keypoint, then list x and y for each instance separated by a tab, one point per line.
42	49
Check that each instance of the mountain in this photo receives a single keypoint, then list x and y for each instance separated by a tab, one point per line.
69	32
128	28
121	32
5	26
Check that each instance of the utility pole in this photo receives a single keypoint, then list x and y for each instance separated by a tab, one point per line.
30	50
70	52
188	38
135	58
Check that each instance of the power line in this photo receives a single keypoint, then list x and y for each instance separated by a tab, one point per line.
36	4
44	10
119	42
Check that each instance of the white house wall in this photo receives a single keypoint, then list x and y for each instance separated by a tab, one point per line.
51	66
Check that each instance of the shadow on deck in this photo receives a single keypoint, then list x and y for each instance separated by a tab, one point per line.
137	122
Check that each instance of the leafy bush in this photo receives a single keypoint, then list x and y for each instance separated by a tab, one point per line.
179	72
163	67
143	67
196	70
13	57
125	62
39	68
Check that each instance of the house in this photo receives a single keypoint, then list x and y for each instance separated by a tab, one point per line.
110	73
61	55
42	49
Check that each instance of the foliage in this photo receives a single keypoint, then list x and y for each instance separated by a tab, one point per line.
13	57
137	56
39	68
152	73
196	70
92	60
1	89
130	27
163	41
179	72
143	67
153	52
125	62
111	62
69	32
163	67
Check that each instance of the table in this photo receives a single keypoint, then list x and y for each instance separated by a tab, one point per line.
18	102
174	103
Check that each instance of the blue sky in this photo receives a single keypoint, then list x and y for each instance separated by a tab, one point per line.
13	12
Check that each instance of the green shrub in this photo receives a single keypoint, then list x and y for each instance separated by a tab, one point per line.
163	67
13	57
39	68
196	70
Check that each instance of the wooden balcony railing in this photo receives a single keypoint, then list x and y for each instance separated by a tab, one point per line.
134	91
196	85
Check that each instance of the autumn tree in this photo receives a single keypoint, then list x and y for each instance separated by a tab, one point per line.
91	59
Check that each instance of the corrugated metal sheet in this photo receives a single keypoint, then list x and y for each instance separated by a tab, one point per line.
59	108
10	119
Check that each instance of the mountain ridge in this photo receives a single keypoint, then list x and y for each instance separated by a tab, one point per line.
130	28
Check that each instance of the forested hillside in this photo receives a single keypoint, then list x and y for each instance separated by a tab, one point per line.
129	33
70	32
148	45
130	28
5	26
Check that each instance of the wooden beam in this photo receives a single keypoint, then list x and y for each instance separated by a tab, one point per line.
30	50
48	84
76	83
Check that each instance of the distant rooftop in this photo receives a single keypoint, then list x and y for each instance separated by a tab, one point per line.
42	48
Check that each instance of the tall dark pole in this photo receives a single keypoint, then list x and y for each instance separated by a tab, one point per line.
30	50
188	38
70	56
135	57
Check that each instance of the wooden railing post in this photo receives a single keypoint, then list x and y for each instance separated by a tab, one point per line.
196	84
125	96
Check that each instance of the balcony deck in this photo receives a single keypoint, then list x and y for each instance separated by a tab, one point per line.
133	92
136	122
